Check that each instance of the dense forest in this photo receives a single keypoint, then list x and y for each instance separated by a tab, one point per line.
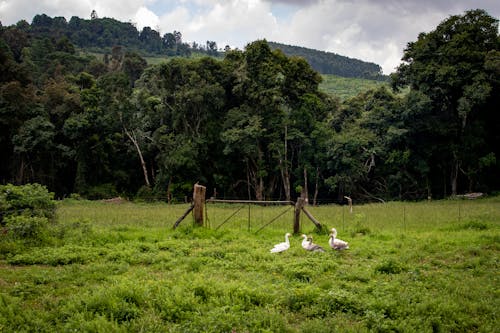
252	124
101	34
331	63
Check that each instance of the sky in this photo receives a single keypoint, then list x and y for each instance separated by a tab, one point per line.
370	30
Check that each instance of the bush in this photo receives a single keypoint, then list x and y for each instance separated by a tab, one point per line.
27	227
102	191
31	200
145	193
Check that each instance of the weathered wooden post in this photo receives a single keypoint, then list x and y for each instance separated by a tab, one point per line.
349	201
199	203
300	206
296	220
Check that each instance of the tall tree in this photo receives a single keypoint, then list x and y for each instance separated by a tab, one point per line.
450	66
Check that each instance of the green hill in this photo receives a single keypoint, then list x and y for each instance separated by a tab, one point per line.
331	63
100	35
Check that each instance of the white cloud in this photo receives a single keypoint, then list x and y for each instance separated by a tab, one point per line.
234	23
174	20
146	18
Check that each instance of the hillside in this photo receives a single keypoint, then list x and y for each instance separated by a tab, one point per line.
331	63
102	34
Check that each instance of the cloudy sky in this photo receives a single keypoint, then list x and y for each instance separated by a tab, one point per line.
370	30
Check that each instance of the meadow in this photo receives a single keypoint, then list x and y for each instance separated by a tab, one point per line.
120	267
345	88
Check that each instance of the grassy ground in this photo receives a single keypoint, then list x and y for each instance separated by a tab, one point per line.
345	88
411	267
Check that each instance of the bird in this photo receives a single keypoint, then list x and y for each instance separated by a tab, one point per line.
335	243
307	244
282	246
305	241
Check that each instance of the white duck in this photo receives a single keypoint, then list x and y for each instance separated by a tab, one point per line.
282	246
335	243
307	244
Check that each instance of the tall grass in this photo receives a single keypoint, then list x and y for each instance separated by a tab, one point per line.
345	88
411	267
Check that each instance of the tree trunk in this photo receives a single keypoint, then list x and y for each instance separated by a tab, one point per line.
454	178
306	191
248	182
259	194
143	163
316	189
169	194
20	176
284	168
255	176
285	176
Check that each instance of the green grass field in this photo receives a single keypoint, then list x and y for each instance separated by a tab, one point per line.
345	88
103	267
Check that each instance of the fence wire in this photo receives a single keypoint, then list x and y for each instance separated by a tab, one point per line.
391	217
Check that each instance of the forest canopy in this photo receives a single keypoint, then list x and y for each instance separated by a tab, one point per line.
252	124
101	34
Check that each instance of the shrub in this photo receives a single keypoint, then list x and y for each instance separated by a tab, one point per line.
27	227
145	193
28	200
102	191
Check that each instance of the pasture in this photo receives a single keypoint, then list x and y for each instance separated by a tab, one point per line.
120	267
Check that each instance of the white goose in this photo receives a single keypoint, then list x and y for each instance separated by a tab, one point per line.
335	243
305	242
314	247
282	246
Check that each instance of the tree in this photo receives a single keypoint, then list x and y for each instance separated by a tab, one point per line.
450	66
275	104
211	48
151	40
17	40
133	65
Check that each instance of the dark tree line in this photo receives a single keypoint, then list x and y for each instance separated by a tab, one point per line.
252	125
100	34
331	63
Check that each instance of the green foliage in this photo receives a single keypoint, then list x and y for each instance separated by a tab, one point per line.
145	193
449	67
103	33
32	228
28	200
102	191
334	64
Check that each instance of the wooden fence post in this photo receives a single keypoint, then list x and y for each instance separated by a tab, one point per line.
296	220
199	203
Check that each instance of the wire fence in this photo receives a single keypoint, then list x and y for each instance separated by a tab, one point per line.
394	217
391	217
247	214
